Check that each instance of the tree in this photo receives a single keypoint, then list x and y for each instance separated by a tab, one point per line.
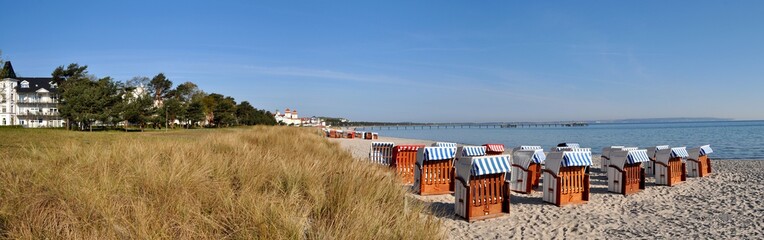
87	100
159	86
138	82
137	109
185	91
246	114
72	71
195	112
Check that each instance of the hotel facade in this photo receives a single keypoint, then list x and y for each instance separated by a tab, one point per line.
28	101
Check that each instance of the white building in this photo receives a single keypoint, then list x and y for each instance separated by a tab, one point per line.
289	117
28	102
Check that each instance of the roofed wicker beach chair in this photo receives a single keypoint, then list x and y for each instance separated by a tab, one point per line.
526	169
404	161
565	177
358	134
494	148
651	152
350	134
625	174
480	191
434	170
382	153
605	157
698	163
670	167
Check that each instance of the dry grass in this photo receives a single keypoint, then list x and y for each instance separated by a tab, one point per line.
259	183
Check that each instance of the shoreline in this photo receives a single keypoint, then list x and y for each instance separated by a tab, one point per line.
723	205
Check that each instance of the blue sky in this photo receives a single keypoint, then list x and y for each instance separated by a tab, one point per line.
435	61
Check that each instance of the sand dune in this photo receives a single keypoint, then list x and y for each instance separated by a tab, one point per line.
728	204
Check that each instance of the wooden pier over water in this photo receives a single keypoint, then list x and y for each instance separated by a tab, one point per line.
472	125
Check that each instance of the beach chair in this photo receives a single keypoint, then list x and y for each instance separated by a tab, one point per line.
374	136
650	165
625	174
350	134
494	148
434	171
669	166
404	161
526	169
565	177
444	144
698	163
326	132
605	157
382	153
358	134
480	191
368	136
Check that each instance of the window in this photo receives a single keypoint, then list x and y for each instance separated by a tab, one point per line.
24	84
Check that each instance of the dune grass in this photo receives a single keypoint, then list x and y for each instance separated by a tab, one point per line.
254	183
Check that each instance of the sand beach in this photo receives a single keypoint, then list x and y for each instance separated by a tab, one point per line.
727	204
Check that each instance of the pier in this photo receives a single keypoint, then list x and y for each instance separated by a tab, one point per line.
472	125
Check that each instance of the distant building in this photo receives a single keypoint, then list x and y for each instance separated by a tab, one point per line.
289	117
29	102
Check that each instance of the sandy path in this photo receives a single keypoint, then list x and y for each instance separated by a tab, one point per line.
728	204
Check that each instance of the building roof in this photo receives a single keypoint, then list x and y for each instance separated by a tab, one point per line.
35	84
7	71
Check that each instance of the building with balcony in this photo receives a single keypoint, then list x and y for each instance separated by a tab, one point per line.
28	101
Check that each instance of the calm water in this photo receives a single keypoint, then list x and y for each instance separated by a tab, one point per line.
729	139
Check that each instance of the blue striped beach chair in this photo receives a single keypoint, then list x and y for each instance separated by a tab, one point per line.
625	174
434	171
565	177
526	169
480	190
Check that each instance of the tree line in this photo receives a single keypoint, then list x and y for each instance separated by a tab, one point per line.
86	101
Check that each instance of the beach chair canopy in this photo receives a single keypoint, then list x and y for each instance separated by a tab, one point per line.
621	157
705	150
472	151
481	165
524	158
382	144
578	157
637	156
490	165
572	145
438	153
491	147
629	148
444	144
408	147
374	133
679	152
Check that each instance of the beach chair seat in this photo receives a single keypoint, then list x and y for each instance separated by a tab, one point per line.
625	174
434	170
565	177
698	163
374	135
494	148
382	153
480	191
526	169
669	166
404	161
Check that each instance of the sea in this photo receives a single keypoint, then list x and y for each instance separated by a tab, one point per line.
728	139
